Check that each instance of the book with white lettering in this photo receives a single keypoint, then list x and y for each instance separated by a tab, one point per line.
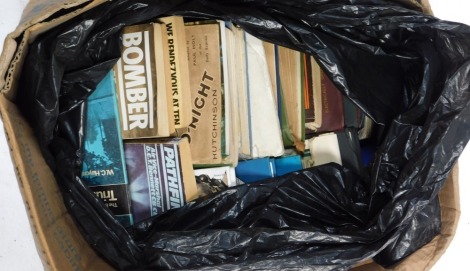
144	104
177	70
160	175
104	170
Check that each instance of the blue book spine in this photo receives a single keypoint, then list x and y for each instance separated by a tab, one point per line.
255	170
259	169
287	164
104	168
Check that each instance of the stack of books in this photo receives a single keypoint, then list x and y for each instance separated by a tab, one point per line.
193	106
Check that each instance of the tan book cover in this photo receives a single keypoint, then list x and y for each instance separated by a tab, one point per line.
242	91
177	70
164	101
269	49
204	58
231	98
292	93
143	108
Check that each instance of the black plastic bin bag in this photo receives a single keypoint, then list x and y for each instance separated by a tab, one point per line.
409	71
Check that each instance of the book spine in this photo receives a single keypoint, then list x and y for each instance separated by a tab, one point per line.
248	95
136	83
166	122
332	106
177	75
203	47
156	178
225	90
104	170
308	91
172	175
278	85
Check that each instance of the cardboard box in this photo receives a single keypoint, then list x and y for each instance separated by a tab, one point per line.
59	241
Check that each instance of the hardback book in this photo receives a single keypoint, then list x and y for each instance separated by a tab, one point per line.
331	104
264	128
313	98
104	169
336	147
312	93
177	70
206	131
160	176
144	104
290	65
225	174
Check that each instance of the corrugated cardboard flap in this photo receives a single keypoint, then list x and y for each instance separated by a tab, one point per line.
60	244
38	17
428	255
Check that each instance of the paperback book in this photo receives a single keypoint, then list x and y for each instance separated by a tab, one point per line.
144	106
104	169
213	132
260	128
177	70
205	131
160	175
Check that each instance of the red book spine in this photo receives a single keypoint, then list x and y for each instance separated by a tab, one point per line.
332	106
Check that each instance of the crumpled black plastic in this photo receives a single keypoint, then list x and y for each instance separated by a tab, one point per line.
407	70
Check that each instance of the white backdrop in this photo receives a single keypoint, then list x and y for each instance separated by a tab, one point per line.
17	248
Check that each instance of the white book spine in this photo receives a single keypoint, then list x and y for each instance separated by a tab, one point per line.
265	128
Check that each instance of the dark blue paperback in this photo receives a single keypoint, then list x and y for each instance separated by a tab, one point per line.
104	168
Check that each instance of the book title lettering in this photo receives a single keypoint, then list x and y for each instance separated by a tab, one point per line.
94	173
106	195
134	76
173	72
172	178
205	93
153	178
